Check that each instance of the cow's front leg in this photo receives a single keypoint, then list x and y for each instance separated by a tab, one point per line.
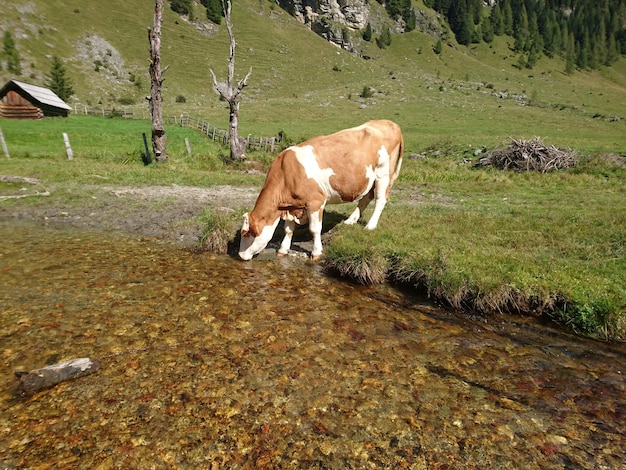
315	227
285	245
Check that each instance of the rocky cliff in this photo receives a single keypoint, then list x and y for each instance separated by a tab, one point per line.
342	21
331	19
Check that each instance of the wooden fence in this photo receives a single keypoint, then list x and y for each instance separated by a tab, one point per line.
269	144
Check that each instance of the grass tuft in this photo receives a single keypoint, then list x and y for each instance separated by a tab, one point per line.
361	265
217	231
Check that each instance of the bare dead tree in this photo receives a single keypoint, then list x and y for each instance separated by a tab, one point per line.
230	92
156	81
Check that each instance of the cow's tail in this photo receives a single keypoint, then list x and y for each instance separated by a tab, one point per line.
396	171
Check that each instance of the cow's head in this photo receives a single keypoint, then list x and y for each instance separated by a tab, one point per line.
254	236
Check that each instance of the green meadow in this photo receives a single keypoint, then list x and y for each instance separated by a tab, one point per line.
478	239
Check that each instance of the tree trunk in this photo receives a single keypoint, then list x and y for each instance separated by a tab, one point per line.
230	92
237	147
156	81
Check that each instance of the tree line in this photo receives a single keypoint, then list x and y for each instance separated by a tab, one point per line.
587	33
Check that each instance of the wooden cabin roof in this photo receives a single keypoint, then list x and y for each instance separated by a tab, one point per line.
36	96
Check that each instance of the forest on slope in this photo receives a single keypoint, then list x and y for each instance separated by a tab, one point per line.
587	33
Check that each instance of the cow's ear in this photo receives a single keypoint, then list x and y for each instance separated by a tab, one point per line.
245	228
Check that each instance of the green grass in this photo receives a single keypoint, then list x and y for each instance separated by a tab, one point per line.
110	150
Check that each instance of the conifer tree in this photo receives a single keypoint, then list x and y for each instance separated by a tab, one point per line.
533	57
408	14
384	40
460	21
520	32
474	8
487	30
551	34
58	82
570	55
582	55
438	47
10	51
496	20
182	7
600	45
214	11
507	17
533	31
393	8
367	34
612	53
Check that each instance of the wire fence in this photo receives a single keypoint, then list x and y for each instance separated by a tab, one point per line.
269	144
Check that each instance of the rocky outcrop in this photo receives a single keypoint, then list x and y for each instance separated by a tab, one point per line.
341	21
350	13
331	19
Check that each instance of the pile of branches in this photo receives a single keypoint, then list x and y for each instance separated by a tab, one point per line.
529	155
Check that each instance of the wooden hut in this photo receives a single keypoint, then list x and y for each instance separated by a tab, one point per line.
19	100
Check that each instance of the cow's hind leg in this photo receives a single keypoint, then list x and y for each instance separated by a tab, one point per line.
380	197
360	208
285	245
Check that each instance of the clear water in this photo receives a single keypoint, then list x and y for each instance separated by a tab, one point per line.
209	362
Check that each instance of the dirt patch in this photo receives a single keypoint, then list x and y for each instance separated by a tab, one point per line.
219	197
169	212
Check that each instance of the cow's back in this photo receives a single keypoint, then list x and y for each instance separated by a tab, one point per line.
342	163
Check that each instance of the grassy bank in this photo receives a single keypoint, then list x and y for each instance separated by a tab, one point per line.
491	241
477	239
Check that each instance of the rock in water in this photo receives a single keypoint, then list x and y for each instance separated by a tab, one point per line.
41	379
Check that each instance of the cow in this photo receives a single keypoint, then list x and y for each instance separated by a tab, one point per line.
357	164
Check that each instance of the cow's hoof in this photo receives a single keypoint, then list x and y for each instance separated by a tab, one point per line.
315	257
279	253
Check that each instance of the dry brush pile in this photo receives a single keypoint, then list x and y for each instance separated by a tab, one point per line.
529	155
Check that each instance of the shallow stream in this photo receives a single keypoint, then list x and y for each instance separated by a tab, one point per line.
209	362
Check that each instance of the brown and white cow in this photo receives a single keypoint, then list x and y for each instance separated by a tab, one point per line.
357	164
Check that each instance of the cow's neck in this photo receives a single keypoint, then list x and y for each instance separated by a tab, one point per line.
266	210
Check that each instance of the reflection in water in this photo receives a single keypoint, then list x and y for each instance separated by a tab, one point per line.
208	362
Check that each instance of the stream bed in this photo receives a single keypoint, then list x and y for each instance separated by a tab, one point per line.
209	362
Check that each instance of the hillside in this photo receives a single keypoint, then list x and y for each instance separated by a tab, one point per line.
303	85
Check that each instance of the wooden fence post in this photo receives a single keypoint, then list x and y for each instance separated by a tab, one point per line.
188	146
68	149
5	149
147	158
